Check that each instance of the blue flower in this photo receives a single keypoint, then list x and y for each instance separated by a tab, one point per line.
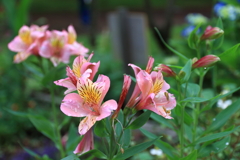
186	31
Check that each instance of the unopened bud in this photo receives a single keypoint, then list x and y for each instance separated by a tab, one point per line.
194	60
166	71
206	61
212	33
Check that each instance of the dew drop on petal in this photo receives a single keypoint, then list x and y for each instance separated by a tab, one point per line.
227	143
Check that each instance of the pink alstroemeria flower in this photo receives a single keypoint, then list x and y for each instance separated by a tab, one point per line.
86	144
54	47
75	47
88	102
27	42
206	61
136	96
154	94
81	68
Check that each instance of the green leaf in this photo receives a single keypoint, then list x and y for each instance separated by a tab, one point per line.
216	147
192	89
140	121
224	115
192	156
16	113
165	147
22	13
215	99
215	136
99	129
188	132
171	49
73	138
187	70
43	125
230	56
219	146
195	99
96	153
218	42
161	120
193	38
71	157
126	138
134	150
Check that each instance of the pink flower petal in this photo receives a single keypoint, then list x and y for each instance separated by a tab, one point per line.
17	45
106	109
86	143
72	106
66	83
86	124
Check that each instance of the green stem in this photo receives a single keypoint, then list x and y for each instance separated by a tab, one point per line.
58	141
182	130
112	140
197	109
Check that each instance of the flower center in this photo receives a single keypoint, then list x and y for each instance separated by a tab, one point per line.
91	93
157	86
26	36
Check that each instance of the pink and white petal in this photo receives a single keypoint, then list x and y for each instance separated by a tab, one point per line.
86	124
106	109
46	50
171	103
165	86
65	55
104	79
135	68
93	66
86	74
149	65
55	61
17	45
86	143
163	113
135	97
72	106
144	82
71	76
21	56
66	83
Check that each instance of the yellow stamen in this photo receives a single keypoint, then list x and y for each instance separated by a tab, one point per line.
90	93
157	86
26	36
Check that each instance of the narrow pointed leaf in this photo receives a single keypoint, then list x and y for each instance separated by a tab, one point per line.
224	115
140	121
43	125
165	147
195	99
96	153
192	156
134	150
71	157
215	136
170	48
161	120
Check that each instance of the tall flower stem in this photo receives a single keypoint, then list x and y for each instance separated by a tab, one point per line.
197	109
58	141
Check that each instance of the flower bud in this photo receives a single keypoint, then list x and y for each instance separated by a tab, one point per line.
206	61
212	33
166	71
